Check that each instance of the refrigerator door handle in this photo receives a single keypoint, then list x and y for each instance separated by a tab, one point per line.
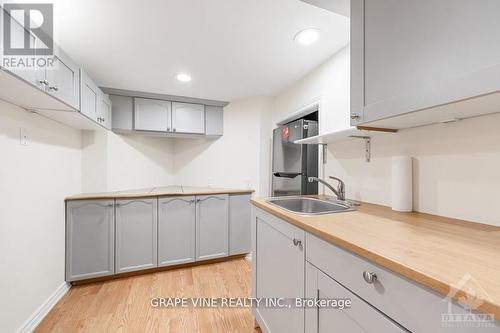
286	174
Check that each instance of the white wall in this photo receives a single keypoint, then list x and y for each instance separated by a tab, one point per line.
238	159
455	168
114	162
139	162
329	82
34	180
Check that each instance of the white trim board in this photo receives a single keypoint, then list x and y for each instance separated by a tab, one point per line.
43	310
310	107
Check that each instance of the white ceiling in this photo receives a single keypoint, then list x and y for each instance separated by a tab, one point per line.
232	48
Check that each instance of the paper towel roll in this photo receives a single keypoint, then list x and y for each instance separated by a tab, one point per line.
402	184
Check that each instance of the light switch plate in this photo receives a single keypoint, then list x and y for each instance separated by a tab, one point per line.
24	137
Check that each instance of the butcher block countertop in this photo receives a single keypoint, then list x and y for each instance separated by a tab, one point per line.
434	251
172	190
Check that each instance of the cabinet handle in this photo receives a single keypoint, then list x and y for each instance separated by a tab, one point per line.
168	129
109	205
369	277
192	201
173	129
355	116
44	82
198	200
55	88
297	242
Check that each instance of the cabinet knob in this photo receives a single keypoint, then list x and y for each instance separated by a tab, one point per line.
355	116
44	82
369	277
54	88
173	129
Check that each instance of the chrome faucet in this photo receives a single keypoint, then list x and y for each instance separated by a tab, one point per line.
339	192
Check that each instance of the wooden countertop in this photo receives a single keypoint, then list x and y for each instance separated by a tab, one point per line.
172	190
434	251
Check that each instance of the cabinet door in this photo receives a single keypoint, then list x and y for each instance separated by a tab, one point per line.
188	118
239	224
214	123
90	235
29	72
279	272
176	230
89	96
359	317
211	226
64	79
104	110
413	55
122	113
152	115
136	234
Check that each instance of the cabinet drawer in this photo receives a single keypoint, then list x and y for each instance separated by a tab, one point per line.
415	307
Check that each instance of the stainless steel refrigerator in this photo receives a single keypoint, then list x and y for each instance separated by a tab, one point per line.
294	163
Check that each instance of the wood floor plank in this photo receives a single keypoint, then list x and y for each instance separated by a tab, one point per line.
123	305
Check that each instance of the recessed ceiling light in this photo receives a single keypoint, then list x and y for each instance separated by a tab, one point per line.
307	36
183	77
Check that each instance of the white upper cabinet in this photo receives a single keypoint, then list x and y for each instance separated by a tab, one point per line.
89	96
161	117
188	118
214	120
60	78
104	110
409	56
152	115
63	79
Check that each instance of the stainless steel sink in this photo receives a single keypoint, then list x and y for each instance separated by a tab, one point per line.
310	206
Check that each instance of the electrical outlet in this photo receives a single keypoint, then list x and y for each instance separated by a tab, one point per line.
24	137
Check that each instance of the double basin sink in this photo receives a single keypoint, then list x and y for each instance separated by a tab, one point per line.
311	206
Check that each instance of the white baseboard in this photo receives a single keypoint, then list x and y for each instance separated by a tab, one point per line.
44	309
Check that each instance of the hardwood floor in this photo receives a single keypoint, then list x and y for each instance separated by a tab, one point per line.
123	305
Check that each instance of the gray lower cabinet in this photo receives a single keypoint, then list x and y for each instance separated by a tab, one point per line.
278	271
239	224
136	234
90	239
359	317
176	230
211	226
